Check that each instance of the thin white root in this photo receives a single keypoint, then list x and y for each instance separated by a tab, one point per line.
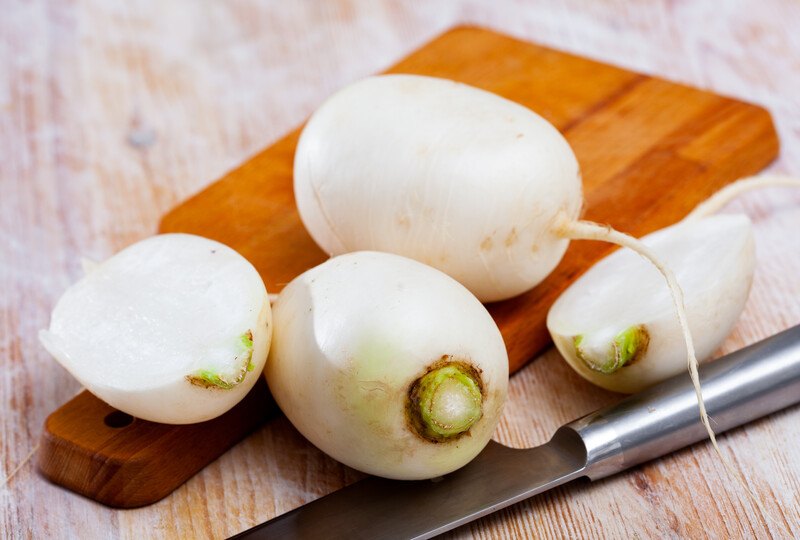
19	466
731	191
587	230
7	480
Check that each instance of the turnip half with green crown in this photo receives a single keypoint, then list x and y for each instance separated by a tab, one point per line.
172	329
616	324
387	365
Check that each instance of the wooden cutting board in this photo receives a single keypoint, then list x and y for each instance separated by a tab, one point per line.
649	150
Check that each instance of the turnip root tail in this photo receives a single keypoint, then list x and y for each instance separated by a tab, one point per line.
13	472
587	230
7	480
743	185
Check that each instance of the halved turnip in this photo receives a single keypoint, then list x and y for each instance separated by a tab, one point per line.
616	324
387	365
168	329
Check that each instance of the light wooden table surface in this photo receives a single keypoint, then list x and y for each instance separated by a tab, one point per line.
113	112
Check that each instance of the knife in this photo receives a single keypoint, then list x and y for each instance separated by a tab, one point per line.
737	388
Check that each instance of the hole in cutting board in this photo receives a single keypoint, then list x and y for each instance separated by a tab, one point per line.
118	419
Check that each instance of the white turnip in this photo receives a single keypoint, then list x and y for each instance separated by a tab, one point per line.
172	329
387	365
452	176
616	324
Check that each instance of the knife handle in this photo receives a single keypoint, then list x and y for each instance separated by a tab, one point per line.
740	387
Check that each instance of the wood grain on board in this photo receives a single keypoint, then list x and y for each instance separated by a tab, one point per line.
649	150
125	462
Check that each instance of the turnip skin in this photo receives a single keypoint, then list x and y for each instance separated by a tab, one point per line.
355	334
441	172
172	329
713	259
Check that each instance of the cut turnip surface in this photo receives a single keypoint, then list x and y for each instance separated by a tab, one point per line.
387	365
173	329
616	324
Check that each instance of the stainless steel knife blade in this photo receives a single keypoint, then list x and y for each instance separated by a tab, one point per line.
380	508
742	386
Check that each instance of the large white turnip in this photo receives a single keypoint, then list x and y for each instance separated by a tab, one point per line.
387	365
